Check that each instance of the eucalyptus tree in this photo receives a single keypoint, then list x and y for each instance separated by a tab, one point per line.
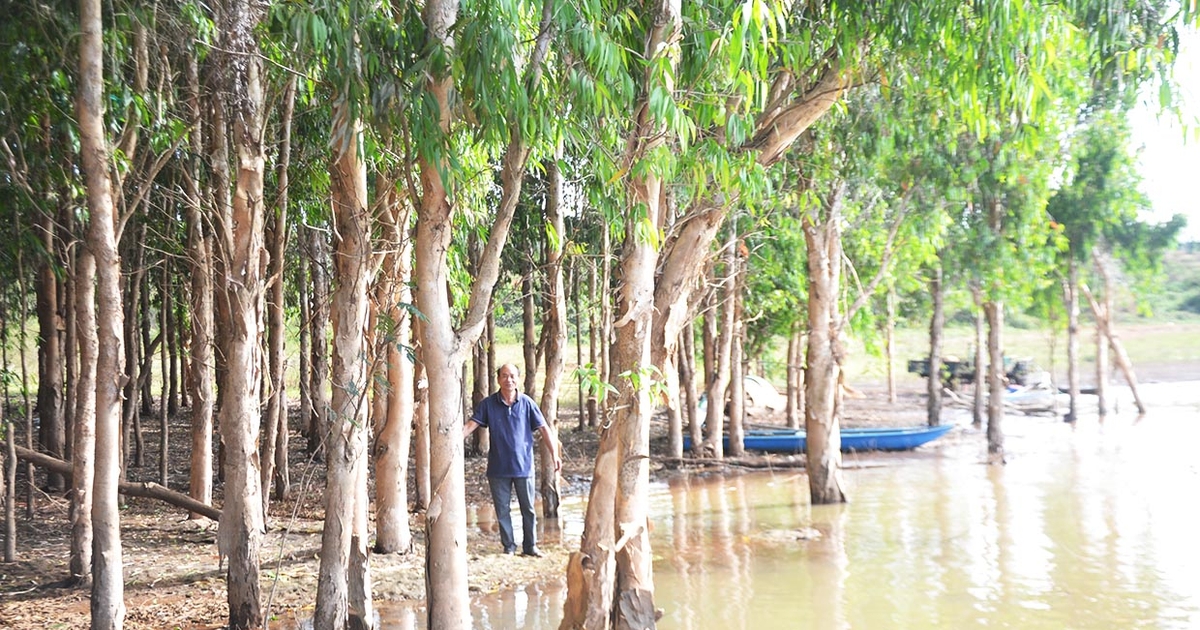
613	567
237	73
493	59
107	601
1100	187
1097	208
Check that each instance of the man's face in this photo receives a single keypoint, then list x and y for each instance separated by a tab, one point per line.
508	379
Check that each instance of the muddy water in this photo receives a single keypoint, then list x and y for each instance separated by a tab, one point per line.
1087	526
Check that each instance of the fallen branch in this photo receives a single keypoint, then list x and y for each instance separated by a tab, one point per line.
145	489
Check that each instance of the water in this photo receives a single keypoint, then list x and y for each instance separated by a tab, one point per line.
1087	526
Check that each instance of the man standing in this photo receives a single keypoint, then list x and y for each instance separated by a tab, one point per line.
512	417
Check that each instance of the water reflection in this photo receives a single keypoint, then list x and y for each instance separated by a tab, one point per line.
1088	526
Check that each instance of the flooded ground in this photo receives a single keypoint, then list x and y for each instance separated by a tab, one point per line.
1088	525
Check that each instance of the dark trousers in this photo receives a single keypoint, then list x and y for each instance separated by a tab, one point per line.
502	492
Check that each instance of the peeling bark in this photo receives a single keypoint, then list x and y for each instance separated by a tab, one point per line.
107	598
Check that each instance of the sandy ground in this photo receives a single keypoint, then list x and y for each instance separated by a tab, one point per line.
172	574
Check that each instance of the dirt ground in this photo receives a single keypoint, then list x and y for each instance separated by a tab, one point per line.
172	573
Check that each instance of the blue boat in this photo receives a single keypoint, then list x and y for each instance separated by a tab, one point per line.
872	439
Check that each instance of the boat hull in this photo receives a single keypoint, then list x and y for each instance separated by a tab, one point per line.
885	439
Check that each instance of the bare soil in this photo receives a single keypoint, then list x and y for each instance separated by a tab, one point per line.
173	577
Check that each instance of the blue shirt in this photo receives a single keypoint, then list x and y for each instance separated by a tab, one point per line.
511	427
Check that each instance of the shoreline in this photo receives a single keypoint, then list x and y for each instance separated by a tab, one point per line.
173	578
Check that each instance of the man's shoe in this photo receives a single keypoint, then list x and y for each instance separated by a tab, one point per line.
509	552
532	553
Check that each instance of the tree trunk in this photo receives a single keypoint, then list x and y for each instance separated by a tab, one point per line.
620	525
9	490
31	490
240	531
393	441
823	396
275	418
593	404
482	381
889	344
318	431
173	344
139	316
52	434
1071	293
737	366
144	489
70	338
573	279
1107	332
164	316
346	448
795	376
937	325
83	451
978	410
444	349
131	430
993	311
303	275
606	318
718	381
442	358
554	327
529	328
200	257
107	600
424	484
691	397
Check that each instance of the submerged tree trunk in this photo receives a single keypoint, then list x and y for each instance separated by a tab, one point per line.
1071	293
1107	334
737	366
823	395
937	324
978	410
691	398
993	310
107	599
613	571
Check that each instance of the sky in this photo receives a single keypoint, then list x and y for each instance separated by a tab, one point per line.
1169	157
